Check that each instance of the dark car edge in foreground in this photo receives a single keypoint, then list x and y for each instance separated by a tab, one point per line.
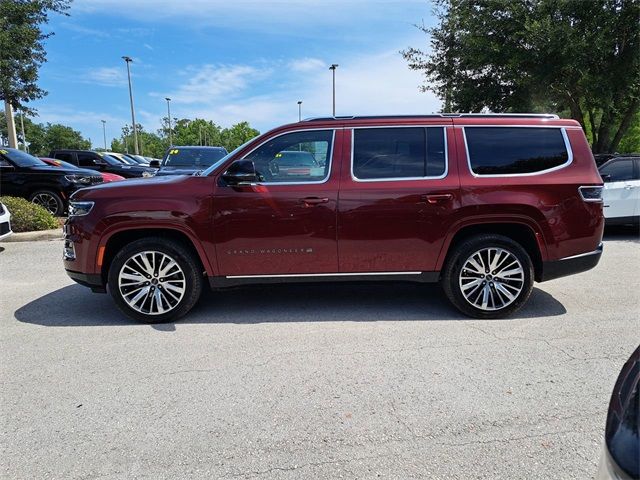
484	204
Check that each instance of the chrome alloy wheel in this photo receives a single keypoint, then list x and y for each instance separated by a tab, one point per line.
152	283
47	201
491	279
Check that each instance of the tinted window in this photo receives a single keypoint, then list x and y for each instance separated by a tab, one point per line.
65	157
20	158
412	152
511	150
294	157
193	157
86	160
618	170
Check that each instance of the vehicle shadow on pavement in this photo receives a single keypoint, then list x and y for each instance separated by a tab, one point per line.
622	233
77	306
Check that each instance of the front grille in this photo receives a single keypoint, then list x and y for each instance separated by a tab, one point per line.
96	179
5	228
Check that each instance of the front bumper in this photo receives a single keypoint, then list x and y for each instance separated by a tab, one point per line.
570	265
94	282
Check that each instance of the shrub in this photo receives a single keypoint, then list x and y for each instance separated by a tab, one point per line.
27	216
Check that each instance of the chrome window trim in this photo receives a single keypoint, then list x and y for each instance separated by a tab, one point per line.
567	145
400	179
316	182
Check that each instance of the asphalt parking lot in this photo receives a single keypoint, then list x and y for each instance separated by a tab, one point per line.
314	381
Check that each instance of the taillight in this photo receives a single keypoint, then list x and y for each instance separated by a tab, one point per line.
591	194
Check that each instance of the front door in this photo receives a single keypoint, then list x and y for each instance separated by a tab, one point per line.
285	224
397	198
620	194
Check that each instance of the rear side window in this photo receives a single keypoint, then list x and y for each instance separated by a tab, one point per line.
65	157
396	153
514	150
85	160
618	170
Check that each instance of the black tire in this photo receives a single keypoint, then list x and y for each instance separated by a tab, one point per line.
451	278
49	200
187	262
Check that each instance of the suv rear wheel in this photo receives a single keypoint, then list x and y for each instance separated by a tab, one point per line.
154	280
48	199
488	276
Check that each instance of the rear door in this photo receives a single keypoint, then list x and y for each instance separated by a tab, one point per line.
285	224
399	189
620	193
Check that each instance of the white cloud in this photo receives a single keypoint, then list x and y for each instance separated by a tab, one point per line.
307	64
147	46
106	76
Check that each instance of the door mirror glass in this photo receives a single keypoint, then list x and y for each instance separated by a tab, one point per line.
241	172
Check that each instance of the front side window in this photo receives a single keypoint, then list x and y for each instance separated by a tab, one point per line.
618	171
398	153
514	150
298	157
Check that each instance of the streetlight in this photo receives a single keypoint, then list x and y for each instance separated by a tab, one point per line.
169	115
299	110
333	70
128	60
104	133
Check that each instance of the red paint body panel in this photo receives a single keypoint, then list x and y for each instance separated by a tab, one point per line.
362	226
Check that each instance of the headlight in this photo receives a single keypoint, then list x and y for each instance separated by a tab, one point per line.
146	174
80	179
78	209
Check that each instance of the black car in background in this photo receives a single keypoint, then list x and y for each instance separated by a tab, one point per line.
101	162
23	175
621	456
188	160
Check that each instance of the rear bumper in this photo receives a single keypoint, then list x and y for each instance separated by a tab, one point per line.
94	282
570	265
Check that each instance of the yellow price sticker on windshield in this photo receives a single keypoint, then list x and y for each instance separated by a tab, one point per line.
4	152
174	151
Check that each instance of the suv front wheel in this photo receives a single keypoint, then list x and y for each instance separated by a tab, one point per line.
488	276
155	280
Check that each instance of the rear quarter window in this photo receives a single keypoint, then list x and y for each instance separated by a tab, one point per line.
515	150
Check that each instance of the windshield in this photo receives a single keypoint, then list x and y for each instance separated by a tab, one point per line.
21	158
192	157
110	159
213	167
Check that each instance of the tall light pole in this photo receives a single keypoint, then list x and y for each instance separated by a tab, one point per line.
299	110
128	60
333	70
104	132
24	138
169	116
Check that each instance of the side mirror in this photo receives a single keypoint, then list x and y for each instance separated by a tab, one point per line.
154	163
241	172
606	178
100	163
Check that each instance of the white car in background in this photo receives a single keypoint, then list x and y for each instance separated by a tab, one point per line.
5	222
621	194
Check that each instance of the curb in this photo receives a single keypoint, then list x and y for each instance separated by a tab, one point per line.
55	234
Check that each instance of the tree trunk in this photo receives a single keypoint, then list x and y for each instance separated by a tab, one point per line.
624	124
11	126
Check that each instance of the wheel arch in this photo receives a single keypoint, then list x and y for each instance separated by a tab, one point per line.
520	231
114	241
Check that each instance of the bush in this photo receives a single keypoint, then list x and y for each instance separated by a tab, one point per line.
27	216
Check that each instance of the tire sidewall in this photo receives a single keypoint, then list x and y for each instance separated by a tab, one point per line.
56	197
463	252
193	280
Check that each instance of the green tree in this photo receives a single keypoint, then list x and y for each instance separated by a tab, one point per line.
60	136
192	132
22	47
233	137
536	55
149	144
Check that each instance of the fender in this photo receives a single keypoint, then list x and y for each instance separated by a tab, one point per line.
488	219
156	224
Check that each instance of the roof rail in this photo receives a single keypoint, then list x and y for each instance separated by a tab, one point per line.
437	115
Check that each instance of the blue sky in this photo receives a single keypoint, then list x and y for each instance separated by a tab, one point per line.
229	61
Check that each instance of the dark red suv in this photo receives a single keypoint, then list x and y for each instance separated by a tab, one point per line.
484	204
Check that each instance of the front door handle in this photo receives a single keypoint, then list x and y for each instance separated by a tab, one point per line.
436	198
309	201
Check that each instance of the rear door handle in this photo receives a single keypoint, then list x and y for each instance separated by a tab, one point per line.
314	200
436	198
